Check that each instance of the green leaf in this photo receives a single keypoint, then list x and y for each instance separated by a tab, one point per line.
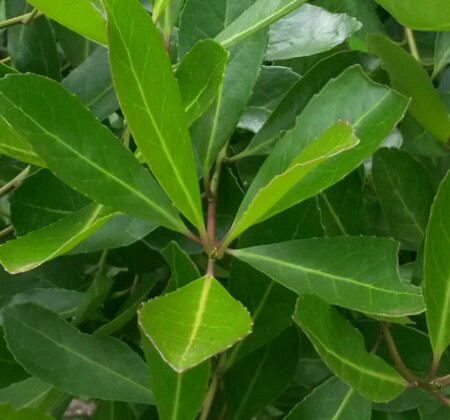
92	82
341	346
441	53
8	413
406	208
182	269
5	69
350	97
342	207
178	395
426	106
358	273
158	8
434	17
260	14
272	184
72	142
32	47
41	200
30	392
11	144
37	247
437	270
405	415
200	76
113	410
11	370
151	101
37	337
211	132
332	400
88	23
187	334
260	378
307	31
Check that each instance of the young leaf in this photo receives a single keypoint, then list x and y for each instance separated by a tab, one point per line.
178	395
37	247
332	400
350	97
37	338
200	76
307	31
72	142
266	191
434	17
260	378
8	413
406	208
426	106
92	82
32	47
88	22
437	270
260	14
11	144
341	346
358	273
151	100
194	323
284	116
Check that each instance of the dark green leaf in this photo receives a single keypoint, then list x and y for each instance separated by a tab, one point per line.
11	370
30	392
151	101
358	273
342	348
61	130
332	400
426	106
442	52
38	338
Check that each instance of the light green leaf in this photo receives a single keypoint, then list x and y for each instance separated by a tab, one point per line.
8	413
88	22
426	106
182	269
178	395
200	76
332	400
437	270
194	323
92	82
267	190
151	101
260	378
441	52
72	142
30	392
307	31
434	17
260	14
342	348
350	97
37	337
158	8
358	273
37	247
406	208
11	144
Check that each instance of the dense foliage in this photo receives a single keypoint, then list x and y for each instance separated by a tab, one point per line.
225	209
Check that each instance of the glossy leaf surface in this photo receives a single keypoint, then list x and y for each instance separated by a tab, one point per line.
115	371
342	348
194	323
151	101
358	273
